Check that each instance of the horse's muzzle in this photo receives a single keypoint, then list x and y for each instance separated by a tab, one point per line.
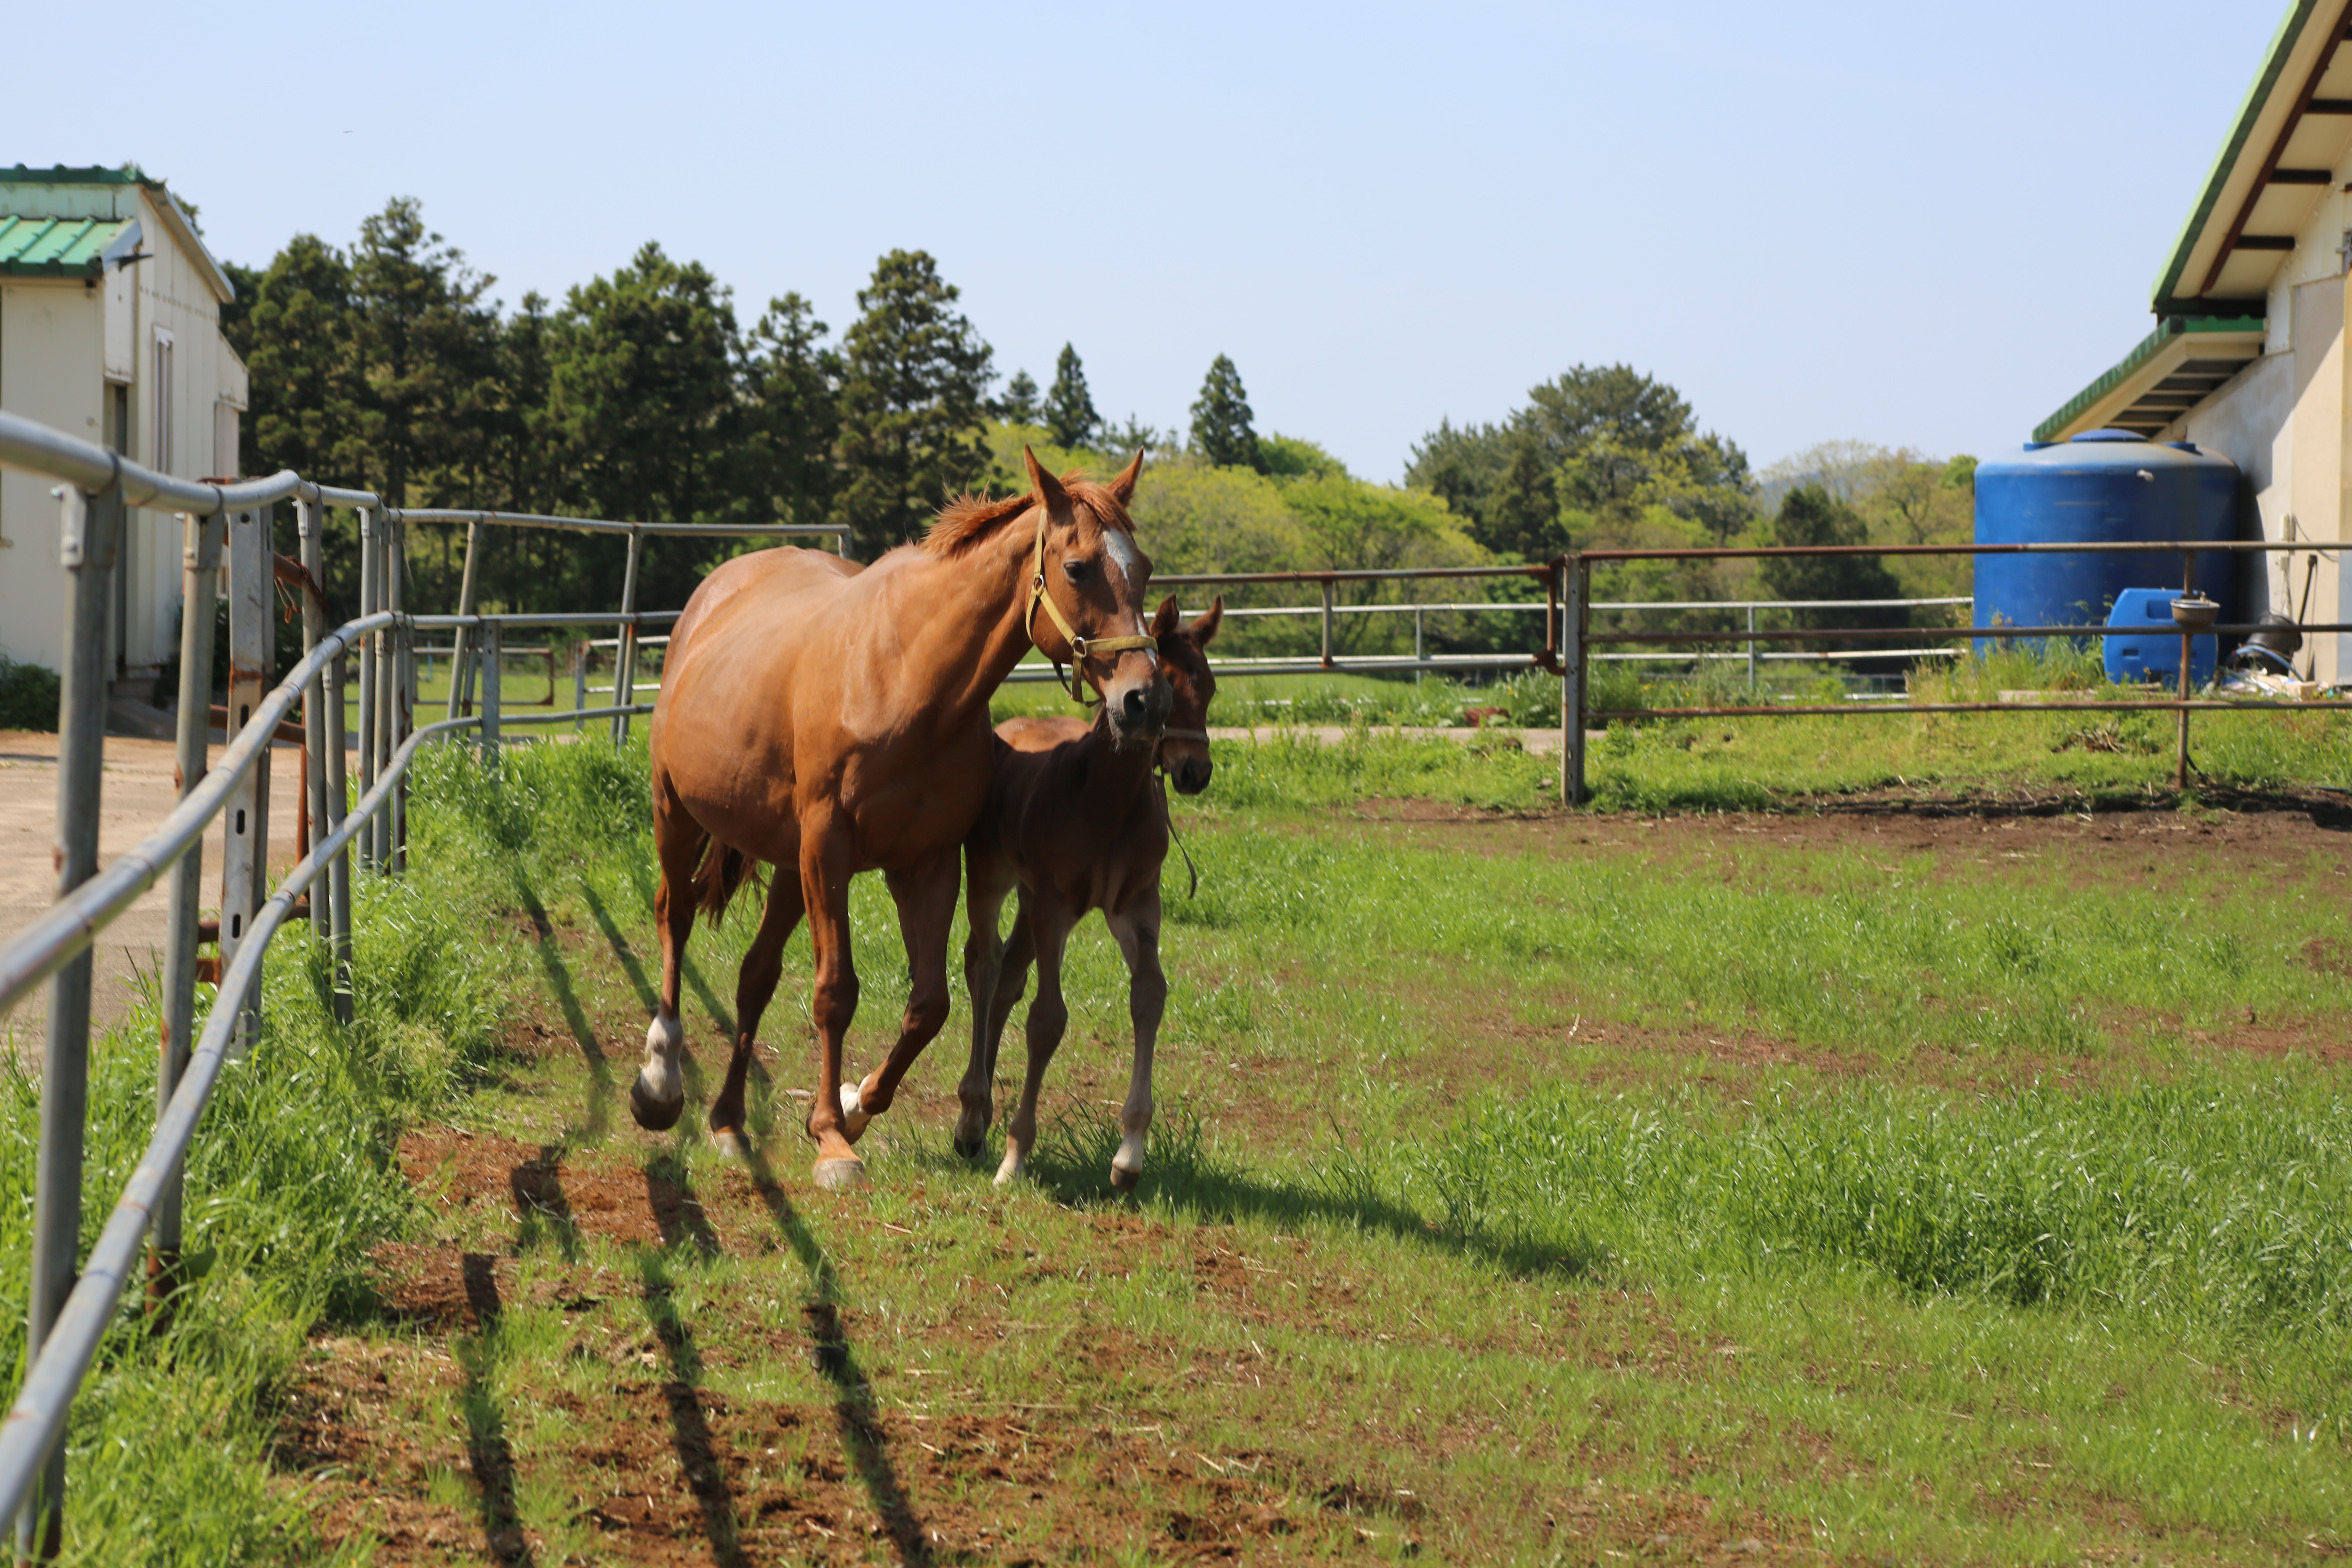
1190	775
1139	712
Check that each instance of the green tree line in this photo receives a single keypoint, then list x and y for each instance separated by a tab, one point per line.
648	395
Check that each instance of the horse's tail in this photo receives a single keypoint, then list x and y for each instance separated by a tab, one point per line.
724	871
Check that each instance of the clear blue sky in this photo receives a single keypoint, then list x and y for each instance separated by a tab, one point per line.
1903	224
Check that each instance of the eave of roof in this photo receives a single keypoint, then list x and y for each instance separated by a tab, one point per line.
2167	374
158	195
61	247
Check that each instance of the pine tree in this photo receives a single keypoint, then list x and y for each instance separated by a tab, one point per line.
790	417
1070	416
1221	428
914	373
1019	404
424	350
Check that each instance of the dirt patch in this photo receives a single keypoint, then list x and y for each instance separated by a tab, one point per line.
504	1180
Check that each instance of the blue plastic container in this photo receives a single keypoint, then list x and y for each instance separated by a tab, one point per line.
2105	486
2157	656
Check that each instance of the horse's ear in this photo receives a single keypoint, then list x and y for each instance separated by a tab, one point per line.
1122	489
1164	623
1043	485
1206	628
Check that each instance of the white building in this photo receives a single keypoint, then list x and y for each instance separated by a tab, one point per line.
2247	358
110	329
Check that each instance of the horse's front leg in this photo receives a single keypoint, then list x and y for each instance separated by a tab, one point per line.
926	896
987	880
657	1094
1049	1015
825	861
1137	931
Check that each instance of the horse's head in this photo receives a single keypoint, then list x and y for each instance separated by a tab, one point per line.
1088	589
1184	745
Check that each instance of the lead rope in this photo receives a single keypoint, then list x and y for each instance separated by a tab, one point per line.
1160	782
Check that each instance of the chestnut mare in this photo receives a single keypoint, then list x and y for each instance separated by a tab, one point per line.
1075	818
829	719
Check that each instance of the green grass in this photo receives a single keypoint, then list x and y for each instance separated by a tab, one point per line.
1458	1231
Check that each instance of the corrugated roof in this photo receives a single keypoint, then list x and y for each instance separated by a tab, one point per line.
59	247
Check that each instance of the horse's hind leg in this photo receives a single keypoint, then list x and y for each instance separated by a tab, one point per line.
926	897
658	1095
755	987
1137	931
988	878
1049	1015
825	870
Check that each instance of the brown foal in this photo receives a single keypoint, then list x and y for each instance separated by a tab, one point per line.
1076	820
827	720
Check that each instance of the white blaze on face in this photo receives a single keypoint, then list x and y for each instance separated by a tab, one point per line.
1120	548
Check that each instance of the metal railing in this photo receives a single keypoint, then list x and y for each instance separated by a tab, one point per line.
69	1310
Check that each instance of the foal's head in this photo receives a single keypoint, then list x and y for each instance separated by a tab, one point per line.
1184	747
1094	578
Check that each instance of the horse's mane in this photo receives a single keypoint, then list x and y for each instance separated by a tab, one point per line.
968	519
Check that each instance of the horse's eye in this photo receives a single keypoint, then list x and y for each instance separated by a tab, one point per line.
1077	571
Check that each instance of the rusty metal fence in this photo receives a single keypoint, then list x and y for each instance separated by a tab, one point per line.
73	1299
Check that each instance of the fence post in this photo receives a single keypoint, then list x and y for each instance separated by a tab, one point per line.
244	853
2187	643
200	576
371	594
493	654
458	681
309	520
579	682
1751	648
379	827
89	539
339	870
1326	623
624	667
404	705
1575	591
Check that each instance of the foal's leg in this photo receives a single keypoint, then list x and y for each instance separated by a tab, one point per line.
658	1094
755	987
926	896
1048	1017
988	878
825	849
1138	934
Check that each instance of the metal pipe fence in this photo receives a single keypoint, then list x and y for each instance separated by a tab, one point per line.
69	1308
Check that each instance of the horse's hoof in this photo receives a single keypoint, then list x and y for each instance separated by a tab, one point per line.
654	1115
730	1143
1124	1179
970	1148
840	1175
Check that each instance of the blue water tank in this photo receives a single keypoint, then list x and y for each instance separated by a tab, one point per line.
2156	654
2105	486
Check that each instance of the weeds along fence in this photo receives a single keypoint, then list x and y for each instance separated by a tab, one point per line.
69	1310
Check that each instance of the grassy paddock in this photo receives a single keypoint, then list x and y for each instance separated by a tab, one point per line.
1470	1223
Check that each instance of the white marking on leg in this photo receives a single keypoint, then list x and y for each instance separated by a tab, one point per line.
853	1113
659	1078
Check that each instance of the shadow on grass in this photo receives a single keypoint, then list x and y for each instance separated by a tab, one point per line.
1072	1161
688	970
487	1449
575	1018
853	1410
689	1425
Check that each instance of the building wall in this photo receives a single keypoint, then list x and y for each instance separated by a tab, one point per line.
52	334
81	340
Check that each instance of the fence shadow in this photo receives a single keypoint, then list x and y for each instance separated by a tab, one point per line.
575	1018
853	1410
689	1425
480	1354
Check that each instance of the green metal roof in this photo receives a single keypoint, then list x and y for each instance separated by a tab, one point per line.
59	247
2298	16
2166	330
22	174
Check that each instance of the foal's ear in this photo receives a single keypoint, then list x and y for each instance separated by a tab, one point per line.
1164	623
1044	486
1122	489
1206	628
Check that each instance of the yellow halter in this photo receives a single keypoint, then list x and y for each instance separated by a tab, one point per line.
1081	648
